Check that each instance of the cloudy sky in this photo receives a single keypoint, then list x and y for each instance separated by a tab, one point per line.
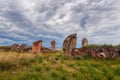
25	21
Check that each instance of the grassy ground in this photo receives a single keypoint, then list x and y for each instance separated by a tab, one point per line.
56	66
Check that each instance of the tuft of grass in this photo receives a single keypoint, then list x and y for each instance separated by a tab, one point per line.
7	66
38	68
117	70
30	76
55	74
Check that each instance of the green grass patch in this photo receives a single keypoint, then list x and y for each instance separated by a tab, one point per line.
56	66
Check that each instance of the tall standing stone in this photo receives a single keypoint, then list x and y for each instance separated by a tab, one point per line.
69	44
37	46
84	42
53	45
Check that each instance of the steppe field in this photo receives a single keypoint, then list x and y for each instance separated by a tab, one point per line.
56	66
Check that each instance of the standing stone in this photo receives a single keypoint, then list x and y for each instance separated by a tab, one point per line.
23	47
53	45
84	42
69	44
14	47
37	46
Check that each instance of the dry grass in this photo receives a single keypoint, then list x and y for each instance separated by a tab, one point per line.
56	66
14	56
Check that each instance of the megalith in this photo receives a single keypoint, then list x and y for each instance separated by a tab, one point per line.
23	47
53	45
14	47
84	42
37	46
69	44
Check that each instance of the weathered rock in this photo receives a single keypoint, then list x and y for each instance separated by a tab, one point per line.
69	44
80	52
14	47
97	52
53	45
37	46
84	42
23	47
117	54
112	52
104	52
94	52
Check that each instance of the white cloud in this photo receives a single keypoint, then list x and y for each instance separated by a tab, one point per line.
30	20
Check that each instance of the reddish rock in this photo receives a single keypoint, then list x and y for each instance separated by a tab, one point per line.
37	46
97	52
53	45
84	42
23	47
94	53
80	52
14	47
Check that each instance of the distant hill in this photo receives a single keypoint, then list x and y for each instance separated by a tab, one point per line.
102	46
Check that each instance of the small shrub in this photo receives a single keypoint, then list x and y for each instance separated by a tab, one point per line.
30	76
74	75
64	77
66	57
40	59
47	67
25	62
71	65
38	68
54	74
7	66
79	57
33	60
117	71
59	56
